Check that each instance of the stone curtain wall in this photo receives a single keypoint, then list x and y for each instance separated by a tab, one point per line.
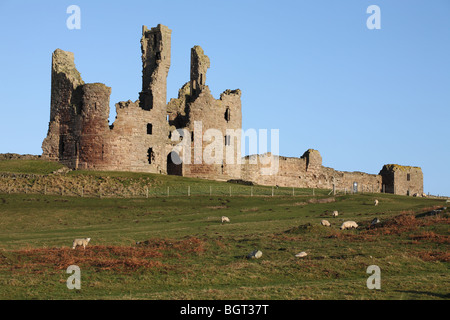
307	172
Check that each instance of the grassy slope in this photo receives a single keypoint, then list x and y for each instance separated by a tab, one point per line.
334	269
191	255
29	166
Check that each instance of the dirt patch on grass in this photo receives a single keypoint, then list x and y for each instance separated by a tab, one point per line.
406	223
189	245
305	228
217	207
442	256
323	200
431	236
364	237
250	209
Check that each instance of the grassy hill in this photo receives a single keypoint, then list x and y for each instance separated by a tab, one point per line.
29	166
121	184
185	252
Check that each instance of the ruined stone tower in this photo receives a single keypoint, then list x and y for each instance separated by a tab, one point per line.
78	115
403	180
199	65
211	122
155	47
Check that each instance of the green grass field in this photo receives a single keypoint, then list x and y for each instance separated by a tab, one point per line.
29	166
185	252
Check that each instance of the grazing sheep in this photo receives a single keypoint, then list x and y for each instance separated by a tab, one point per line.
81	242
424	195
325	223
225	219
255	254
335	213
376	202
349	225
301	254
375	221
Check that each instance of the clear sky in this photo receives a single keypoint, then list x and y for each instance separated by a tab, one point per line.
312	69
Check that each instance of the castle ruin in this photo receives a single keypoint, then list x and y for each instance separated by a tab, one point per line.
141	137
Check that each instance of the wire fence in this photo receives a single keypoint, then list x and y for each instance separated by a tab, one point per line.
101	191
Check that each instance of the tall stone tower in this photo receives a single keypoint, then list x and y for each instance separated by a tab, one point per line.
155	47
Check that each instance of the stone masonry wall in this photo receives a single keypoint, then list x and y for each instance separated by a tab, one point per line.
305	172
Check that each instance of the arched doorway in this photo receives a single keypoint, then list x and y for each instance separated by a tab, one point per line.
174	165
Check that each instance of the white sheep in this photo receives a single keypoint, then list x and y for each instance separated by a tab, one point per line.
255	254
349	225
301	254
325	223
81	242
335	213
225	219
376	202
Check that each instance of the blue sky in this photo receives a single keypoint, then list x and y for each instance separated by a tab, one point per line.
312	69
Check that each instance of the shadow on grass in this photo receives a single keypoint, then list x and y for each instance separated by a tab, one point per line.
437	295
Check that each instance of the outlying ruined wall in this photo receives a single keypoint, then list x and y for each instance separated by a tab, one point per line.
16	156
304	172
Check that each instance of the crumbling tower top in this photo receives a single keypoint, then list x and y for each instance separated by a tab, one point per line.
155	47
199	65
